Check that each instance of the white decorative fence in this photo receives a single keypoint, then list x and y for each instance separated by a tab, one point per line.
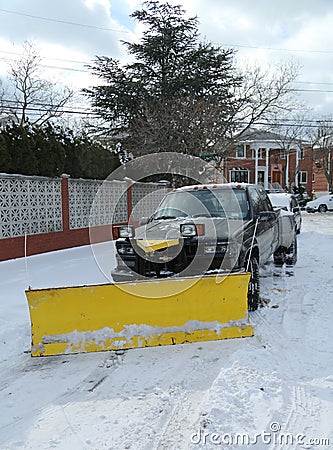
146	198
36	205
29	205
93	203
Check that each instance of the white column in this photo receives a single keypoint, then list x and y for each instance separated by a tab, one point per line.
297	166
267	168
256	167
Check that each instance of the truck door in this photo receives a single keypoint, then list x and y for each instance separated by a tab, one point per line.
273	224
266	231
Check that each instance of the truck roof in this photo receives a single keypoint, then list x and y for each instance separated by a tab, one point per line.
212	186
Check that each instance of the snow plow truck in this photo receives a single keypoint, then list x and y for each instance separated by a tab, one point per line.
187	273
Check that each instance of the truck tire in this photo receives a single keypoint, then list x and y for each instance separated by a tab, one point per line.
291	253
279	257
253	292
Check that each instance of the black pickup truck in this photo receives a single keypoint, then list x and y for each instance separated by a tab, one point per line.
205	229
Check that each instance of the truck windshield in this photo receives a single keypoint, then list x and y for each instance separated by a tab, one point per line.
224	203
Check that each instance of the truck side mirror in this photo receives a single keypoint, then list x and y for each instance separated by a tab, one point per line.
266	216
143	221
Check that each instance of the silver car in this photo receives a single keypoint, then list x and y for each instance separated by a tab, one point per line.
287	202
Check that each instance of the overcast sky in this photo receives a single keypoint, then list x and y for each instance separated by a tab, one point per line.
263	32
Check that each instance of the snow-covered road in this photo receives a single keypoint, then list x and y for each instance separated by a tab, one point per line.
272	391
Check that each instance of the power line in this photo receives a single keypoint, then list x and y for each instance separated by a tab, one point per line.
306	123
61	21
17	102
312	90
257	47
84	110
65	68
55	67
88	71
37	111
281	124
8	109
47	57
313	82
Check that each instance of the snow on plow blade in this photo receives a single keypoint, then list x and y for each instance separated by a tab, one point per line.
131	315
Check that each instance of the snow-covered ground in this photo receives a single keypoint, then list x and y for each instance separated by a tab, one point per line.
272	391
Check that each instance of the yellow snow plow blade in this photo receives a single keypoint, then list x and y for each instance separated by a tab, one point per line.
131	315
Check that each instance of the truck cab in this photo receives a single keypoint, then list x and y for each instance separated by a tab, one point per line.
203	228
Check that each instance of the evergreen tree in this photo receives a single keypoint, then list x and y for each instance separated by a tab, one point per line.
19	145
175	96
52	150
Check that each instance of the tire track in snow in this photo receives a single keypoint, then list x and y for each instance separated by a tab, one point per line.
302	407
44	367
98	375
175	433
181	419
301	416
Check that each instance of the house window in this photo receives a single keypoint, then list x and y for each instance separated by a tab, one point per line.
301	153
260	153
313	178
239	176
283	154
303	177
241	151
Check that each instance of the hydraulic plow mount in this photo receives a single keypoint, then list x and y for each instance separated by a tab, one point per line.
132	315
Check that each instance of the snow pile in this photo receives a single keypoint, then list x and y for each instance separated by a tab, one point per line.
240	400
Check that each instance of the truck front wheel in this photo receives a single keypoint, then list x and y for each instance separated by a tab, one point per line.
254	286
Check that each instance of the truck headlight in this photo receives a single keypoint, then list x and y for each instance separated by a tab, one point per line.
125	250
216	248
188	230
210	248
125	232
229	249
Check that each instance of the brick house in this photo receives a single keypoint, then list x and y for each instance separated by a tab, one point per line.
319	182
270	159
322	160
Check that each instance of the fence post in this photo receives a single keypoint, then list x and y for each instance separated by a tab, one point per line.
65	202
129	200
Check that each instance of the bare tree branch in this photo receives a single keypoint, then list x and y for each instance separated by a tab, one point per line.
32	98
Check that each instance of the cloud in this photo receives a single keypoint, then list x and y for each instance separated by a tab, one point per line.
18	28
253	28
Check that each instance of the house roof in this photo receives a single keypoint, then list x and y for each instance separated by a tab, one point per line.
253	135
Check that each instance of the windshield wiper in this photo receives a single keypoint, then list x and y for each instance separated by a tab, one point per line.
220	216
164	217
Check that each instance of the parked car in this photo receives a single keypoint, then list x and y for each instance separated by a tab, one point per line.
321	204
196	229
288	202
